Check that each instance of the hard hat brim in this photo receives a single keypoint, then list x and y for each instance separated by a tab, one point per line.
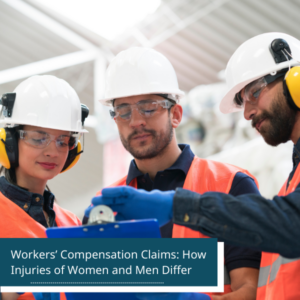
107	101
5	123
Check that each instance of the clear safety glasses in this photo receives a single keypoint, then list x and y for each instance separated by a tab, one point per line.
41	139
146	108
252	91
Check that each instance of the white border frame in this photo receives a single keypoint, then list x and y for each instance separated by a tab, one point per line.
131	289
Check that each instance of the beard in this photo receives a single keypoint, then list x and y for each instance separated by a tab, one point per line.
282	119
160	141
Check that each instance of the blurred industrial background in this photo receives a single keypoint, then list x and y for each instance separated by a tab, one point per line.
76	39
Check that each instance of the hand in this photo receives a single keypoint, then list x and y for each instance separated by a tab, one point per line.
172	296
134	204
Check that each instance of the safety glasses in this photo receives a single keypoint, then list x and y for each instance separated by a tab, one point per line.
252	91
146	108
41	139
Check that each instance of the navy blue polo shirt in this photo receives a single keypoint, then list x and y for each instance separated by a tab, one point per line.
174	177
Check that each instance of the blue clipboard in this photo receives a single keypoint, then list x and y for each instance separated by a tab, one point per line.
125	229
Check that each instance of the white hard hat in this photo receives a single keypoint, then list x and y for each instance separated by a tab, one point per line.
252	60
45	101
140	71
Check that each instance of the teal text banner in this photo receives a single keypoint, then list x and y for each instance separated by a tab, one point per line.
108	262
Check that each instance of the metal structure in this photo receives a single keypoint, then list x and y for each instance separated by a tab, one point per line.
198	37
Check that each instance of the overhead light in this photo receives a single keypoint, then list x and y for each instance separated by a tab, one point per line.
108	18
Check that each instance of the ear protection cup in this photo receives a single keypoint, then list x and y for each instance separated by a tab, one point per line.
73	158
9	150
291	87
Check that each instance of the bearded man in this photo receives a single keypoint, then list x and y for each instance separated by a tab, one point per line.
263	76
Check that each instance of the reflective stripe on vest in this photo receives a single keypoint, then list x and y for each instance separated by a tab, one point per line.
264	272
203	176
279	277
263	276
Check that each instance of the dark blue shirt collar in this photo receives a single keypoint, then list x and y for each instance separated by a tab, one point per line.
183	163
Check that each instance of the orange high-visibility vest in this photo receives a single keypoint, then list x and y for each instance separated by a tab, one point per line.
203	176
279	277
16	223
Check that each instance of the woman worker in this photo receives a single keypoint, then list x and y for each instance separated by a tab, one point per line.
41	125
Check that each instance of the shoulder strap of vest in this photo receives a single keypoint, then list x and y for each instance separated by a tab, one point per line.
293	184
283	191
208	175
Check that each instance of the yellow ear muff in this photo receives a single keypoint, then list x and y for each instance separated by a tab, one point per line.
75	160
4	161
292	80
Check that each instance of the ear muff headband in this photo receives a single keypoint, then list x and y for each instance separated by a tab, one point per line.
73	158
291	86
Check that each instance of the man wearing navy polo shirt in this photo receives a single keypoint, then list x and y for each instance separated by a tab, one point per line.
142	88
